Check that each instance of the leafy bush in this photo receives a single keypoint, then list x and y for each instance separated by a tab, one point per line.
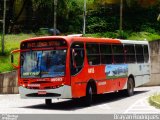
117	34
147	28
42	31
122	34
154	100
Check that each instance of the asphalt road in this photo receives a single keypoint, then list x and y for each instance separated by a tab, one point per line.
110	103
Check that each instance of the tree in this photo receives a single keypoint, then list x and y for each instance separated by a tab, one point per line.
158	18
142	3
68	12
103	2
147	3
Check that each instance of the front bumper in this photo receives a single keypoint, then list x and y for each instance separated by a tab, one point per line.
61	92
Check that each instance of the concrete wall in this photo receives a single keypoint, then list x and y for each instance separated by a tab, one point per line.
155	63
8	83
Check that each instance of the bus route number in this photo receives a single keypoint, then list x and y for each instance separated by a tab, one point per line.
90	70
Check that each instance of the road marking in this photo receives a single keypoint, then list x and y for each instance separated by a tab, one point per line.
99	107
141	106
103	106
95	109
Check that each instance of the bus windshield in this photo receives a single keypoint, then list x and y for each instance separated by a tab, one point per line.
40	64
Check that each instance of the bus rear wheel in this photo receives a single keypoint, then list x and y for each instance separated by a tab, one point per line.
48	101
89	96
130	87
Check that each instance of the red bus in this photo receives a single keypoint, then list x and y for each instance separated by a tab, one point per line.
75	67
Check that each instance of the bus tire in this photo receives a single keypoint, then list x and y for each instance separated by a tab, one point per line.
48	101
89	95
130	87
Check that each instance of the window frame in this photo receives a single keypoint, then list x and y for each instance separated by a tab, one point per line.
71	58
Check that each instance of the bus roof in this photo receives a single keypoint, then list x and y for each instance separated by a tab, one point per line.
71	39
133	42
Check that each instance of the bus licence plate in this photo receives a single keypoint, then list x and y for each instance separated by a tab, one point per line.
42	92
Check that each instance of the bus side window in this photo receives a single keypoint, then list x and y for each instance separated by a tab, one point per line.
146	54
118	53
93	53
106	53
139	53
77	57
130	53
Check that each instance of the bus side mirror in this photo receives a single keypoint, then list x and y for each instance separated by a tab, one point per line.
12	58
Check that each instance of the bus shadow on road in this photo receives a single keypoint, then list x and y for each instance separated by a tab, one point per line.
70	105
113	97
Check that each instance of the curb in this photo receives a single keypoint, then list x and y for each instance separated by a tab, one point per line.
154	103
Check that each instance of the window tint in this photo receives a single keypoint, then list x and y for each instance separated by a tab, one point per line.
106	54
130	53
118	53
106	49
106	59
139	53
146	54
77	57
93	54
93	59
92	48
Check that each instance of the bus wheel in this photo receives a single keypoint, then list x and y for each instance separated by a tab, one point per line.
89	96
130	87
48	101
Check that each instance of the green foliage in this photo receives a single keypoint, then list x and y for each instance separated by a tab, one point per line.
154	100
146	28
100	21
69	14
136	18
95	26
42	32
122	34
127	35
100	35
102	16
144	36
5	64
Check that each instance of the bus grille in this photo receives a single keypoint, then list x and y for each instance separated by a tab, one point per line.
25	81
45	95
45	84
41	82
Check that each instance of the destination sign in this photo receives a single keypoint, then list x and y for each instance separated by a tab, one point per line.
39	44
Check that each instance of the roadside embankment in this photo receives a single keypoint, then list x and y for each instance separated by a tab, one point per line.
155	100
8	82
